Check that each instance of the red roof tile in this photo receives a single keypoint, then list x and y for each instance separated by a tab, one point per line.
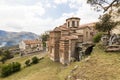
31	42
69	37
61	28
86	25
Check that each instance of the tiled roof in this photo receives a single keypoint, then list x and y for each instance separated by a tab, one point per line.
77	34
31	42
64	27
69	37
86	25
61	28
73	18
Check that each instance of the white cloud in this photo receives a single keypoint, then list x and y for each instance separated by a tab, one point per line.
60	1
84	11
19	17
75	4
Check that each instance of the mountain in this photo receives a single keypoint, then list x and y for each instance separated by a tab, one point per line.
13	38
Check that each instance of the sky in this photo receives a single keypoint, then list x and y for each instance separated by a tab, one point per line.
38	16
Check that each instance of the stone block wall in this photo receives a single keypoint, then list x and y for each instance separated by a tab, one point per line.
64	51
54	45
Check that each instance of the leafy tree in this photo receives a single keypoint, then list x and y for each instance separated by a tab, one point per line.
8	54
112	7
44	37
5	55
106	24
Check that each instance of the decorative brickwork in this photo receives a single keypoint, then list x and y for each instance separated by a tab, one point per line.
63	40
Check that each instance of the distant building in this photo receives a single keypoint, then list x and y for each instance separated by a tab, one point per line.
65	39
31	45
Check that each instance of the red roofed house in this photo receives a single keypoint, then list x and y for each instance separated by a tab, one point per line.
64	39
30	45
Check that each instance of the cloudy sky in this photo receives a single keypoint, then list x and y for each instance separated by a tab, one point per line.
41	15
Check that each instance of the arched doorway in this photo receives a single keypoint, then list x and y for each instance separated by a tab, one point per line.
89	50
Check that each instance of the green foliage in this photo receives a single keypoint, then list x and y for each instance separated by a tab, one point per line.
44	44
3	59
8	54
27	62
97	37
44	37
1	52
9	69
5	55
106	24
16	66
35	60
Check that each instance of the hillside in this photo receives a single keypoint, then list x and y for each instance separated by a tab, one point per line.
98	66
13	38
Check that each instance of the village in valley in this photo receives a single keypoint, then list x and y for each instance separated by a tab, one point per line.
70	51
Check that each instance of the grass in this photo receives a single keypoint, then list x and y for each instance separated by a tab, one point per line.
44	70
98	66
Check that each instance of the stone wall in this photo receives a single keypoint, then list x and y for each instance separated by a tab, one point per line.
64	51
54	45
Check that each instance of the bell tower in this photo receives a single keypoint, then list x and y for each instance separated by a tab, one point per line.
73	22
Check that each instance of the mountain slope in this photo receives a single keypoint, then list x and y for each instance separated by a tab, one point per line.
13	38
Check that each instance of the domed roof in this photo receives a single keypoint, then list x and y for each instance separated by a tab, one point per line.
73	18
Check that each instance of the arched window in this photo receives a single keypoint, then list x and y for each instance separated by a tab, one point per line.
68	24
86	34
73	23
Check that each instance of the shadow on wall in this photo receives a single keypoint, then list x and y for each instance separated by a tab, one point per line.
89	50
80	54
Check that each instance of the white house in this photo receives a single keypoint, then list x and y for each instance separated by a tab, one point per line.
34	45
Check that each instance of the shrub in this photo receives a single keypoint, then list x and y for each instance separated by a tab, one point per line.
5	55
8	54
35	60
27	62
9	69
3	59
97	37
16	66
5	70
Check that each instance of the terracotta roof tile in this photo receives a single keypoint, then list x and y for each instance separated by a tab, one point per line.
77	34
61	28
69	37
87	25
31	42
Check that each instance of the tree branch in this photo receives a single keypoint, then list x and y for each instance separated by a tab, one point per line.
111	4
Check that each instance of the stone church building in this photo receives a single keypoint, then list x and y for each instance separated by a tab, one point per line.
65	39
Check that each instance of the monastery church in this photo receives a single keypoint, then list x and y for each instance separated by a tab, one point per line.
64	40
